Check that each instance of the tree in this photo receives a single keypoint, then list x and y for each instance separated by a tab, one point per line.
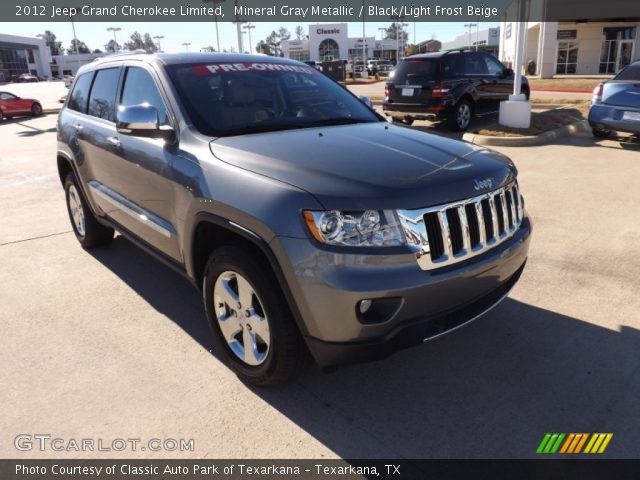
410	49
50	39
149	45
135	42
271	44
82	47
112	46
208	49
300	33
97	50
394	32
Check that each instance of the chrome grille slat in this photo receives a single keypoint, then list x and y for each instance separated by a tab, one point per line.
494	218
481	227
505	215
466	235
446	234
419	237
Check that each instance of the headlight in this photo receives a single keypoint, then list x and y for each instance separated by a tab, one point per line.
369	228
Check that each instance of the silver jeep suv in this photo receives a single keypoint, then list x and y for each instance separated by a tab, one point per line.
314	228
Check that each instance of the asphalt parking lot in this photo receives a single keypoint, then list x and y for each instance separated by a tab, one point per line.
110	344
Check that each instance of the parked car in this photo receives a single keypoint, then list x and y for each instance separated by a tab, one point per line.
380	67
13	106
309	223
615	105
26	78
452	86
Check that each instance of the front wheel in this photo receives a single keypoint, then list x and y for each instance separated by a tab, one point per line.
250	320
88	231
461	117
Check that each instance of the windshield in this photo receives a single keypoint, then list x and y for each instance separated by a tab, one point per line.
249	97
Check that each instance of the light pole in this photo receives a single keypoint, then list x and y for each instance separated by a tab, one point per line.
402	25
186	46
469	26
159	37
114	30
248	27
382	31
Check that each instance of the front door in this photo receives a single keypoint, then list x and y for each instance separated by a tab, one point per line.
625	52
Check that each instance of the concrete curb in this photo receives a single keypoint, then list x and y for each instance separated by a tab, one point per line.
542	139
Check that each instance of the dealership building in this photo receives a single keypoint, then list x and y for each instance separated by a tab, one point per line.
328	42
574	47
23	55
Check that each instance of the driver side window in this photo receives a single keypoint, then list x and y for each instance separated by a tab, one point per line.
141	89
494	67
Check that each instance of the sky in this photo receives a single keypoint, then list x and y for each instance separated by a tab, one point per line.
203	34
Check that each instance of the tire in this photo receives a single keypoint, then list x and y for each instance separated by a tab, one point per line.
36	110
598	133
2	117
527	93
403	120
460	119
86	228
260	316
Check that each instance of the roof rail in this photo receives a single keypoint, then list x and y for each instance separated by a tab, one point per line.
139	51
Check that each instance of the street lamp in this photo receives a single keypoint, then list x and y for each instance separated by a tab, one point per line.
158	38
186	46
114	30
382	31
469	26
248	28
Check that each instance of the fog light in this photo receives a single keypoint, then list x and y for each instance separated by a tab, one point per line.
364	306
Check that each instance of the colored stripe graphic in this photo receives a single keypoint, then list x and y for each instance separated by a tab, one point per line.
573	443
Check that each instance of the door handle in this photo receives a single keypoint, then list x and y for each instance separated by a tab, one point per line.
78	127
113	141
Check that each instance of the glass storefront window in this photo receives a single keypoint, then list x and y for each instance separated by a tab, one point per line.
13	62
567	59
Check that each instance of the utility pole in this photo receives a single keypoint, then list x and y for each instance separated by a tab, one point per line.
115	41
364	42
159	37
186	46
248	27
469	26
238	23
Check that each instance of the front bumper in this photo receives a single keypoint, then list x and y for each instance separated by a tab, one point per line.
328	284
608	117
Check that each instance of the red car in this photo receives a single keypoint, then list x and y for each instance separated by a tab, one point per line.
11	106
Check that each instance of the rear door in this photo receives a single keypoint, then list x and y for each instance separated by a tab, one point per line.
413	80
476	72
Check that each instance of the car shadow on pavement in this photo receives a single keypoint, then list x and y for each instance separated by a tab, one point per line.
489	390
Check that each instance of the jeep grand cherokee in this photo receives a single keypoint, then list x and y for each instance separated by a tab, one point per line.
310	224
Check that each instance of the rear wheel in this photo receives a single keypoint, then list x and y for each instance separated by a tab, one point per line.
599	133
461	117
88	231
36	110
250	320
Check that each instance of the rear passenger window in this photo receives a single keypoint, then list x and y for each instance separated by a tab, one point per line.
452	66
140	89
474	64
80	93
103	94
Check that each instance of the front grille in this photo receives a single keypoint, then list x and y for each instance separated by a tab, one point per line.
464	229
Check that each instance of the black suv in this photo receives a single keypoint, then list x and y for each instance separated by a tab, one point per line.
448	85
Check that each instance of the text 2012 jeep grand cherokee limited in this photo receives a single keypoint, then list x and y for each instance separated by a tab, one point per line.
310	223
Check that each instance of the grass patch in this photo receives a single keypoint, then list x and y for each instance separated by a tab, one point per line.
587	84
540	122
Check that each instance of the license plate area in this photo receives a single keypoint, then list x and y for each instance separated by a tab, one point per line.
634	116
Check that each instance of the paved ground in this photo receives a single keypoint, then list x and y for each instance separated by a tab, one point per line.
111	344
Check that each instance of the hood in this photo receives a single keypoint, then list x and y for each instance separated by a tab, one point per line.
369	165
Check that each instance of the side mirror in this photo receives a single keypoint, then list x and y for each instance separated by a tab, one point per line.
142	121
507	72
366	100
